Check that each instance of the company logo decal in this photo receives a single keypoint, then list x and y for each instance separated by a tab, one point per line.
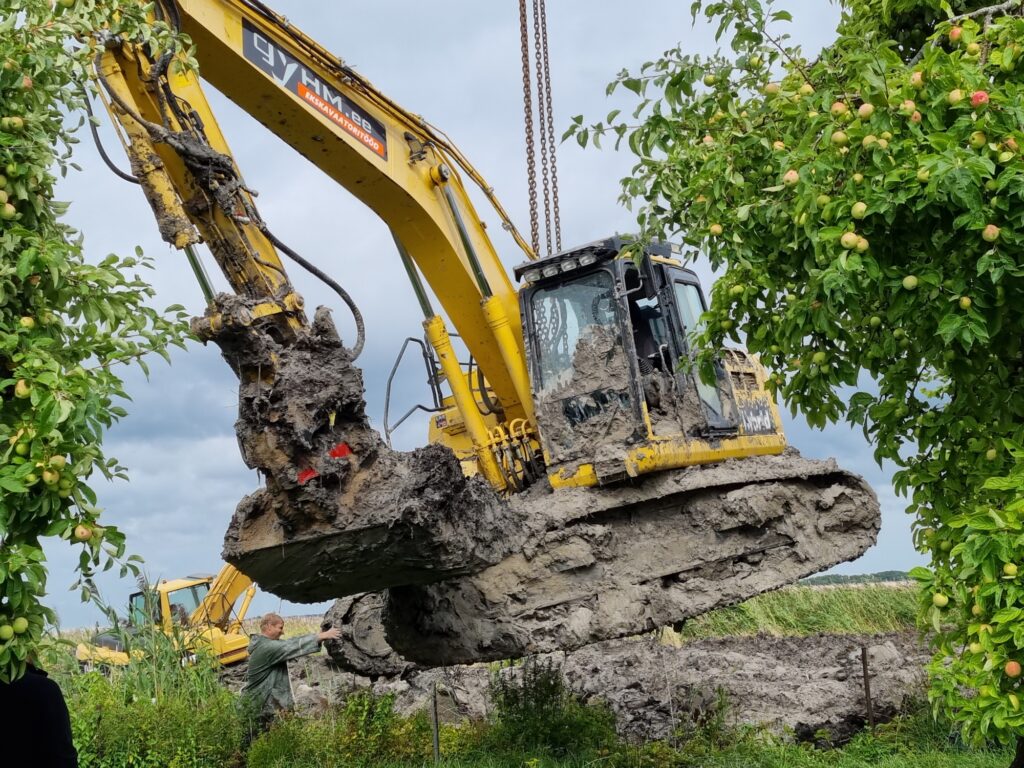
291	75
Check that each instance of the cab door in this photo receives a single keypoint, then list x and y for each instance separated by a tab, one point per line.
680	289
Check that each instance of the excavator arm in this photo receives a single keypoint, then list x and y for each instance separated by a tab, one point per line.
392	160
218	606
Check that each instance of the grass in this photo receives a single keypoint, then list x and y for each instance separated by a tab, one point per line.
914	741
800	611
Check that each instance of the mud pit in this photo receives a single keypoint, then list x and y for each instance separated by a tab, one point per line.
797	686
471	576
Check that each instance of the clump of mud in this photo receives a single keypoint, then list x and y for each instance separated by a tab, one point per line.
590	404
615	561
340	512
363	648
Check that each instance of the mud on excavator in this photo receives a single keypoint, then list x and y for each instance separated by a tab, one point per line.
580	483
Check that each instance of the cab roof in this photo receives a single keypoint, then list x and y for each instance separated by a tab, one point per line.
604	250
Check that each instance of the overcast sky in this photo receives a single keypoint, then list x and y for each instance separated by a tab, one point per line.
459	66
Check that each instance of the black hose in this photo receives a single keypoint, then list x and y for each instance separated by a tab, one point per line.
320	274
99	144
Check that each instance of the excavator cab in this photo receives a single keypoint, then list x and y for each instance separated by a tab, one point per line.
607	339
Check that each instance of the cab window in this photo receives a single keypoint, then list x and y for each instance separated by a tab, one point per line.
184	601
691	305
565	314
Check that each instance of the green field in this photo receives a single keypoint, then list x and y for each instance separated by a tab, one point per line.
805	610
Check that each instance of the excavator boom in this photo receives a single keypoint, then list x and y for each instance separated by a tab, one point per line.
582	483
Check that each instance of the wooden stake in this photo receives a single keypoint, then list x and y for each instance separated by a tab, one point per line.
867	687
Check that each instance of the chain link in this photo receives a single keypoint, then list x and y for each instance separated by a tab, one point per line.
545	127
552	212
531	160
541	123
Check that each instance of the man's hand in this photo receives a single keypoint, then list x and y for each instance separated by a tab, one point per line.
329	634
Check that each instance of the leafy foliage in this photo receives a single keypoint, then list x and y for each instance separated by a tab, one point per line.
157	712
364	731
67	323
535	712
866	208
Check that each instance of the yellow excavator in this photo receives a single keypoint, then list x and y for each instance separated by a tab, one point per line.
199	610
580	482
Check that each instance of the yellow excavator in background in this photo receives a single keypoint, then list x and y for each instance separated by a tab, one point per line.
586	514
199	609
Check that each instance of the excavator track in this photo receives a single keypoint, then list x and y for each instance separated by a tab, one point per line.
754	526
641	557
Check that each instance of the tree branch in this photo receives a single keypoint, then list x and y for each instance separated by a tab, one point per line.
988	12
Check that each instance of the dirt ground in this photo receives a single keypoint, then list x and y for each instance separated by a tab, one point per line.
807	687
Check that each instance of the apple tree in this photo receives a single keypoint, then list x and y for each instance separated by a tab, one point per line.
866	210
69	322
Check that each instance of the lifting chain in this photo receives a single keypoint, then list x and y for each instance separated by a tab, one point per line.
531	160
550	121
545	127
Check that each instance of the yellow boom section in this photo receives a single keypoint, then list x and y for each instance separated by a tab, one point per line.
217	607
392	160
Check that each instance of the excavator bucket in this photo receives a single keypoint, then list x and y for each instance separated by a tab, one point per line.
470	575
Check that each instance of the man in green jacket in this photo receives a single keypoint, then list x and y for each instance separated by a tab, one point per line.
267	688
